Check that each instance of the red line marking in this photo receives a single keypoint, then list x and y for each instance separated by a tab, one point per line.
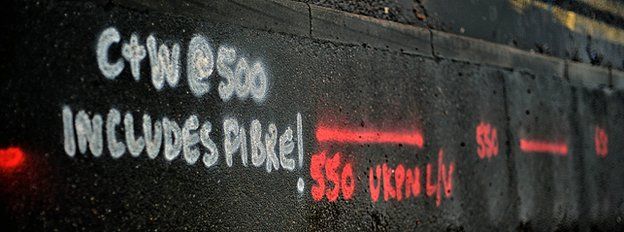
543	147
341	135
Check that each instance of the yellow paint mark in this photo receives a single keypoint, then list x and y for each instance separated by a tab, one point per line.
570	21
612	7
574	22
519	5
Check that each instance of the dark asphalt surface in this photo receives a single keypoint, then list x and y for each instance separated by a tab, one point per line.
358	88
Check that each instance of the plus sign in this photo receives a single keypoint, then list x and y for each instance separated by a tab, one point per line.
134	53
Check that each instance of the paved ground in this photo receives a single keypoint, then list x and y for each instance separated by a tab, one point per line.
137	115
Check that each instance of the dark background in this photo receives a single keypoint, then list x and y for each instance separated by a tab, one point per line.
50	62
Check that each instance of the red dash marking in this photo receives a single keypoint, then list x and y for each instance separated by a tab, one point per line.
327	134
543	147
11	157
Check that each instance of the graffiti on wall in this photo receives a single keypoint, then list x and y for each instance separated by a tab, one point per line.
267	145
254	144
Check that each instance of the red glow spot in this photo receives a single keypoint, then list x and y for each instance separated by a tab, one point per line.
601	142
11	157
543	147
327	134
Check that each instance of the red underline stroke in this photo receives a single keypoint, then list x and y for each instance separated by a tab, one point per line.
342	135
543	147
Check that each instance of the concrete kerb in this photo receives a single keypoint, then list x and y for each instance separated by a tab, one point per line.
455	47
326	24
617	79
586	75
341	27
